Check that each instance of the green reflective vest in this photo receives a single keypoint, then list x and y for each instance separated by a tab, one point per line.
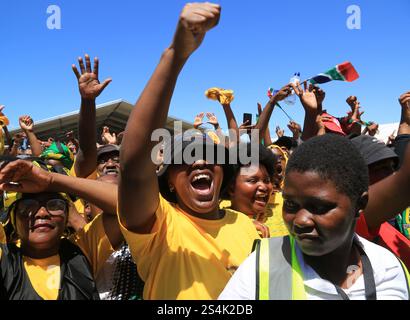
278	272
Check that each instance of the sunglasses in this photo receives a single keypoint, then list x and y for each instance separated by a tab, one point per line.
29	207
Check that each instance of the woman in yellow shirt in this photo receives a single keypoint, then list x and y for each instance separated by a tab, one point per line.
45	265
184	245
251	188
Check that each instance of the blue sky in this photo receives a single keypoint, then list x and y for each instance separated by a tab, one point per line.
258	44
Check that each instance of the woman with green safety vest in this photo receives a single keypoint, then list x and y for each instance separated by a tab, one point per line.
326	189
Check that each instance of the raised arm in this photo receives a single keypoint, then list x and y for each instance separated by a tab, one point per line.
312	105
373	129
403	136
107	137
404	127
234	135
264	118
27	125
267	140
296	130
90	88
320	125
138	189
354	118
32	179
390	196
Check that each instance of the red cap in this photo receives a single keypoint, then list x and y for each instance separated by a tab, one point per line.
333	125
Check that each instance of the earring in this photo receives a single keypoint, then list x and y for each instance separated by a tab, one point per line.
171	188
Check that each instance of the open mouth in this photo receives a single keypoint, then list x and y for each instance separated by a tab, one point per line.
261	200
202	184
111	172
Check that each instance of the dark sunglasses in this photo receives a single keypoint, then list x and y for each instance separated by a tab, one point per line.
28	207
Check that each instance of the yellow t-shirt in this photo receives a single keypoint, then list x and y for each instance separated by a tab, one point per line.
188	258
94	243
3	238
44	274
79	204
273	218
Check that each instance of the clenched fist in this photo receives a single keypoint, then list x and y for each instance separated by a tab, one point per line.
195	20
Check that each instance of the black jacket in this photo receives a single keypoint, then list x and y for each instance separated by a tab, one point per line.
77	282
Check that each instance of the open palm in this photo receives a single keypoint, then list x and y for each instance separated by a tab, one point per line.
88	83
307	97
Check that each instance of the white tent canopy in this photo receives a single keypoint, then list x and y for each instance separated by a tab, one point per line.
385	130
113	114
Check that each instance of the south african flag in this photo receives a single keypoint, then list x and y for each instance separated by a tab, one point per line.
342	72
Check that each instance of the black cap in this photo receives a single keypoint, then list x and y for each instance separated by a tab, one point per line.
108	148
174	149
373	150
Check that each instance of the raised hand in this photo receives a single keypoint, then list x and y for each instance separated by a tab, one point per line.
22	176
195	20
405	104
353	103
307	97
247	126
107	137
88	83
295	128
199	120
212	119
69	135
279	132
26	123
282	94
391	138
320	124
320	95
404	127
373	129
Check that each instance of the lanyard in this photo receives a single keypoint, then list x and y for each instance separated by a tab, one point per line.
369	283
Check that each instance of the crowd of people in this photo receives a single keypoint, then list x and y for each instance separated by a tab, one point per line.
322	214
